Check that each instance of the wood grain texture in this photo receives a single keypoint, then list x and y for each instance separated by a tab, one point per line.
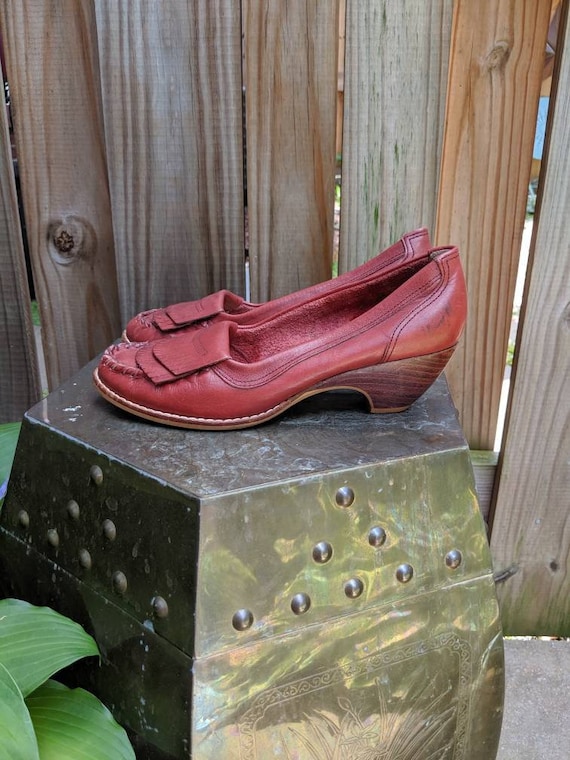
290	80
394	105
53	74
485	470
531	526
19	384
171	77
496	65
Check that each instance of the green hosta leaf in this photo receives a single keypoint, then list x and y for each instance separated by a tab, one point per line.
8	439
71	724
36	642
17	737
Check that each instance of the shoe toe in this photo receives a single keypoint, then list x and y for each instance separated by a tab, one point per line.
142	328
121	358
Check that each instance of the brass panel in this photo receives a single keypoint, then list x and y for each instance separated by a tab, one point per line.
417	680
256	547
403	664
110	525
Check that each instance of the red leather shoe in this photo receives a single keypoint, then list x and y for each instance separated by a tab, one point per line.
390	347
161	323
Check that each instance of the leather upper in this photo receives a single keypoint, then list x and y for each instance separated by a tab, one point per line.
238	371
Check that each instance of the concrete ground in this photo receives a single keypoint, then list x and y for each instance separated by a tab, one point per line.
536	724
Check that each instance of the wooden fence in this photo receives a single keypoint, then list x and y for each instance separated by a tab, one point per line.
158	143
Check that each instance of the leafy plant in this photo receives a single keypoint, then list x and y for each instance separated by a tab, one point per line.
35	313
41	719
8	439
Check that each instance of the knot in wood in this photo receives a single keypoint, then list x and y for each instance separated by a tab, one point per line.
64	242
69	239
498	56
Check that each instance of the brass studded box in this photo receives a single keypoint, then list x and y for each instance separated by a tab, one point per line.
317	588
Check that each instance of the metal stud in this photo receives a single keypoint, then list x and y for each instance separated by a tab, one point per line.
109	530
85	559
120	582
242	620
301	603
453	559
345	497
353	588
322	552
73	510
160	607
53	537
96	475
377	537
405	573
24	518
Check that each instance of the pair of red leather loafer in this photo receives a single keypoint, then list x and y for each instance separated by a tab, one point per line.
386	329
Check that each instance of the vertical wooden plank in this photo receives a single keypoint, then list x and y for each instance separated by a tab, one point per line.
340	80
291	85
52	68
19	384
531	526
496	65
171	75
394	106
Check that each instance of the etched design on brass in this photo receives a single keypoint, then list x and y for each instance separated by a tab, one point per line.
429	707
399	736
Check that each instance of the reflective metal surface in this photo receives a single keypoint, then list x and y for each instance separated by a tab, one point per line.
318	587
401	646
402	684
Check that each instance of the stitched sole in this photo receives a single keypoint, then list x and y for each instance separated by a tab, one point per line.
389	388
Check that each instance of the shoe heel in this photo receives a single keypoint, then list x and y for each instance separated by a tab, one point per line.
392	386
